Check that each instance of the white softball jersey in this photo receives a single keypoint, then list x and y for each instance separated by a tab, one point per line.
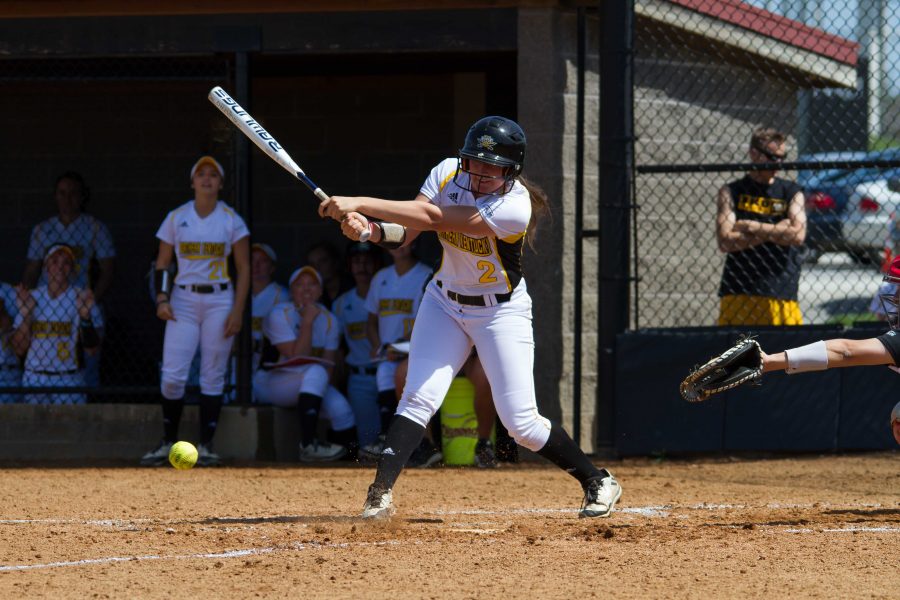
88	237
483	265
281	387
350	310
261	305
283	325
395	299
54	331
202	245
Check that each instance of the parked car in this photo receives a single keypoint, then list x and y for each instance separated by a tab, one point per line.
828	195
869	216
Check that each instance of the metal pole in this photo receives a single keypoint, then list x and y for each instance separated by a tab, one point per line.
243	206
579	230
615	171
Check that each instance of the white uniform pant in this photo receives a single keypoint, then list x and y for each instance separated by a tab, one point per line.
10	377
281	387
384	375
32	379
442	339
199	320
362	394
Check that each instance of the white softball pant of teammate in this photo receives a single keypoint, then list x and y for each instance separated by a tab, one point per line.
199	319
30	378
384	375
441	342
281	387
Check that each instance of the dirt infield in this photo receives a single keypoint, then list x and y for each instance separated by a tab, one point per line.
788	527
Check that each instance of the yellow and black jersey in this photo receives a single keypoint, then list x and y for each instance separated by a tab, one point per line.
480	265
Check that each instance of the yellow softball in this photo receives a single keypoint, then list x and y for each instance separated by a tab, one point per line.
183	455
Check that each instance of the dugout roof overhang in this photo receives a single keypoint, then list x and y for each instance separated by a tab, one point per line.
800	52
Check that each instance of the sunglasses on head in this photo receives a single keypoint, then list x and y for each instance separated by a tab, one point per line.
770	155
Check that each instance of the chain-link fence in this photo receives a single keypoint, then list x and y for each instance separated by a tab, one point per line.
720	237
99	151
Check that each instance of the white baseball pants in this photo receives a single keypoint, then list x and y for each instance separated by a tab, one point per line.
199	320
32	379
442	339
281	387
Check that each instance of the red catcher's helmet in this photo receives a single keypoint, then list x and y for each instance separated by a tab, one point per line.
889	301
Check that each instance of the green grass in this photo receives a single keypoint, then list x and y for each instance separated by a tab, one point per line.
847	320
883	142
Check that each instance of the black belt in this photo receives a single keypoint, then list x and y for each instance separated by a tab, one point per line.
9	367
72	372
205	289
363	370
475	300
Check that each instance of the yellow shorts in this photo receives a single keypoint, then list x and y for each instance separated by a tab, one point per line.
758	310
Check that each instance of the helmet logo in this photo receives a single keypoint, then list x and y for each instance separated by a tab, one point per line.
486	142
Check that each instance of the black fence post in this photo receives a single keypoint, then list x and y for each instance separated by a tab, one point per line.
577	308
615	170
245	209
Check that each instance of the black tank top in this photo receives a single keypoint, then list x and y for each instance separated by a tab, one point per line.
767	269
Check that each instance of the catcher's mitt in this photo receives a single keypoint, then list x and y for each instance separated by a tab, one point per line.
740	364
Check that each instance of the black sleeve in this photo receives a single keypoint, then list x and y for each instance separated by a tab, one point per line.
891	341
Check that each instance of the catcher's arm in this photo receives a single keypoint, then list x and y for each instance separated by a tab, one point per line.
739	365
837	353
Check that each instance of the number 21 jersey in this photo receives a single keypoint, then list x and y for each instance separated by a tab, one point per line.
202	245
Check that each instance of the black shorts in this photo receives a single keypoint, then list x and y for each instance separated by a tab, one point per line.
891	341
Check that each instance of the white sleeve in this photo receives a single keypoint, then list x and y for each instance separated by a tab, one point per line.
506	215
239	229
438	178
166	231
103	244
277	326
35	250
333	333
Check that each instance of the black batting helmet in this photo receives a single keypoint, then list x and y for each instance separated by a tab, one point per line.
496	141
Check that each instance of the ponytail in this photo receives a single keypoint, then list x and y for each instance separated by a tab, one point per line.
540	206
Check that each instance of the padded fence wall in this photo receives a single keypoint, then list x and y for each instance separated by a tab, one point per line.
839	409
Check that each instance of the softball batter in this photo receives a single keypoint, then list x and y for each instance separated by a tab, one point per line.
202	306
481	208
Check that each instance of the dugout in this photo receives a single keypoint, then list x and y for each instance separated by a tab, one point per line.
367	99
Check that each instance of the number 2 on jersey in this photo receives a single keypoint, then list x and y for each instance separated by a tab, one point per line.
487	276
216	269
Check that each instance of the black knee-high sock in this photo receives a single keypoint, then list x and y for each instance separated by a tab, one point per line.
172	418
402	438
210	408
349	439
387	406
308	405
561	450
